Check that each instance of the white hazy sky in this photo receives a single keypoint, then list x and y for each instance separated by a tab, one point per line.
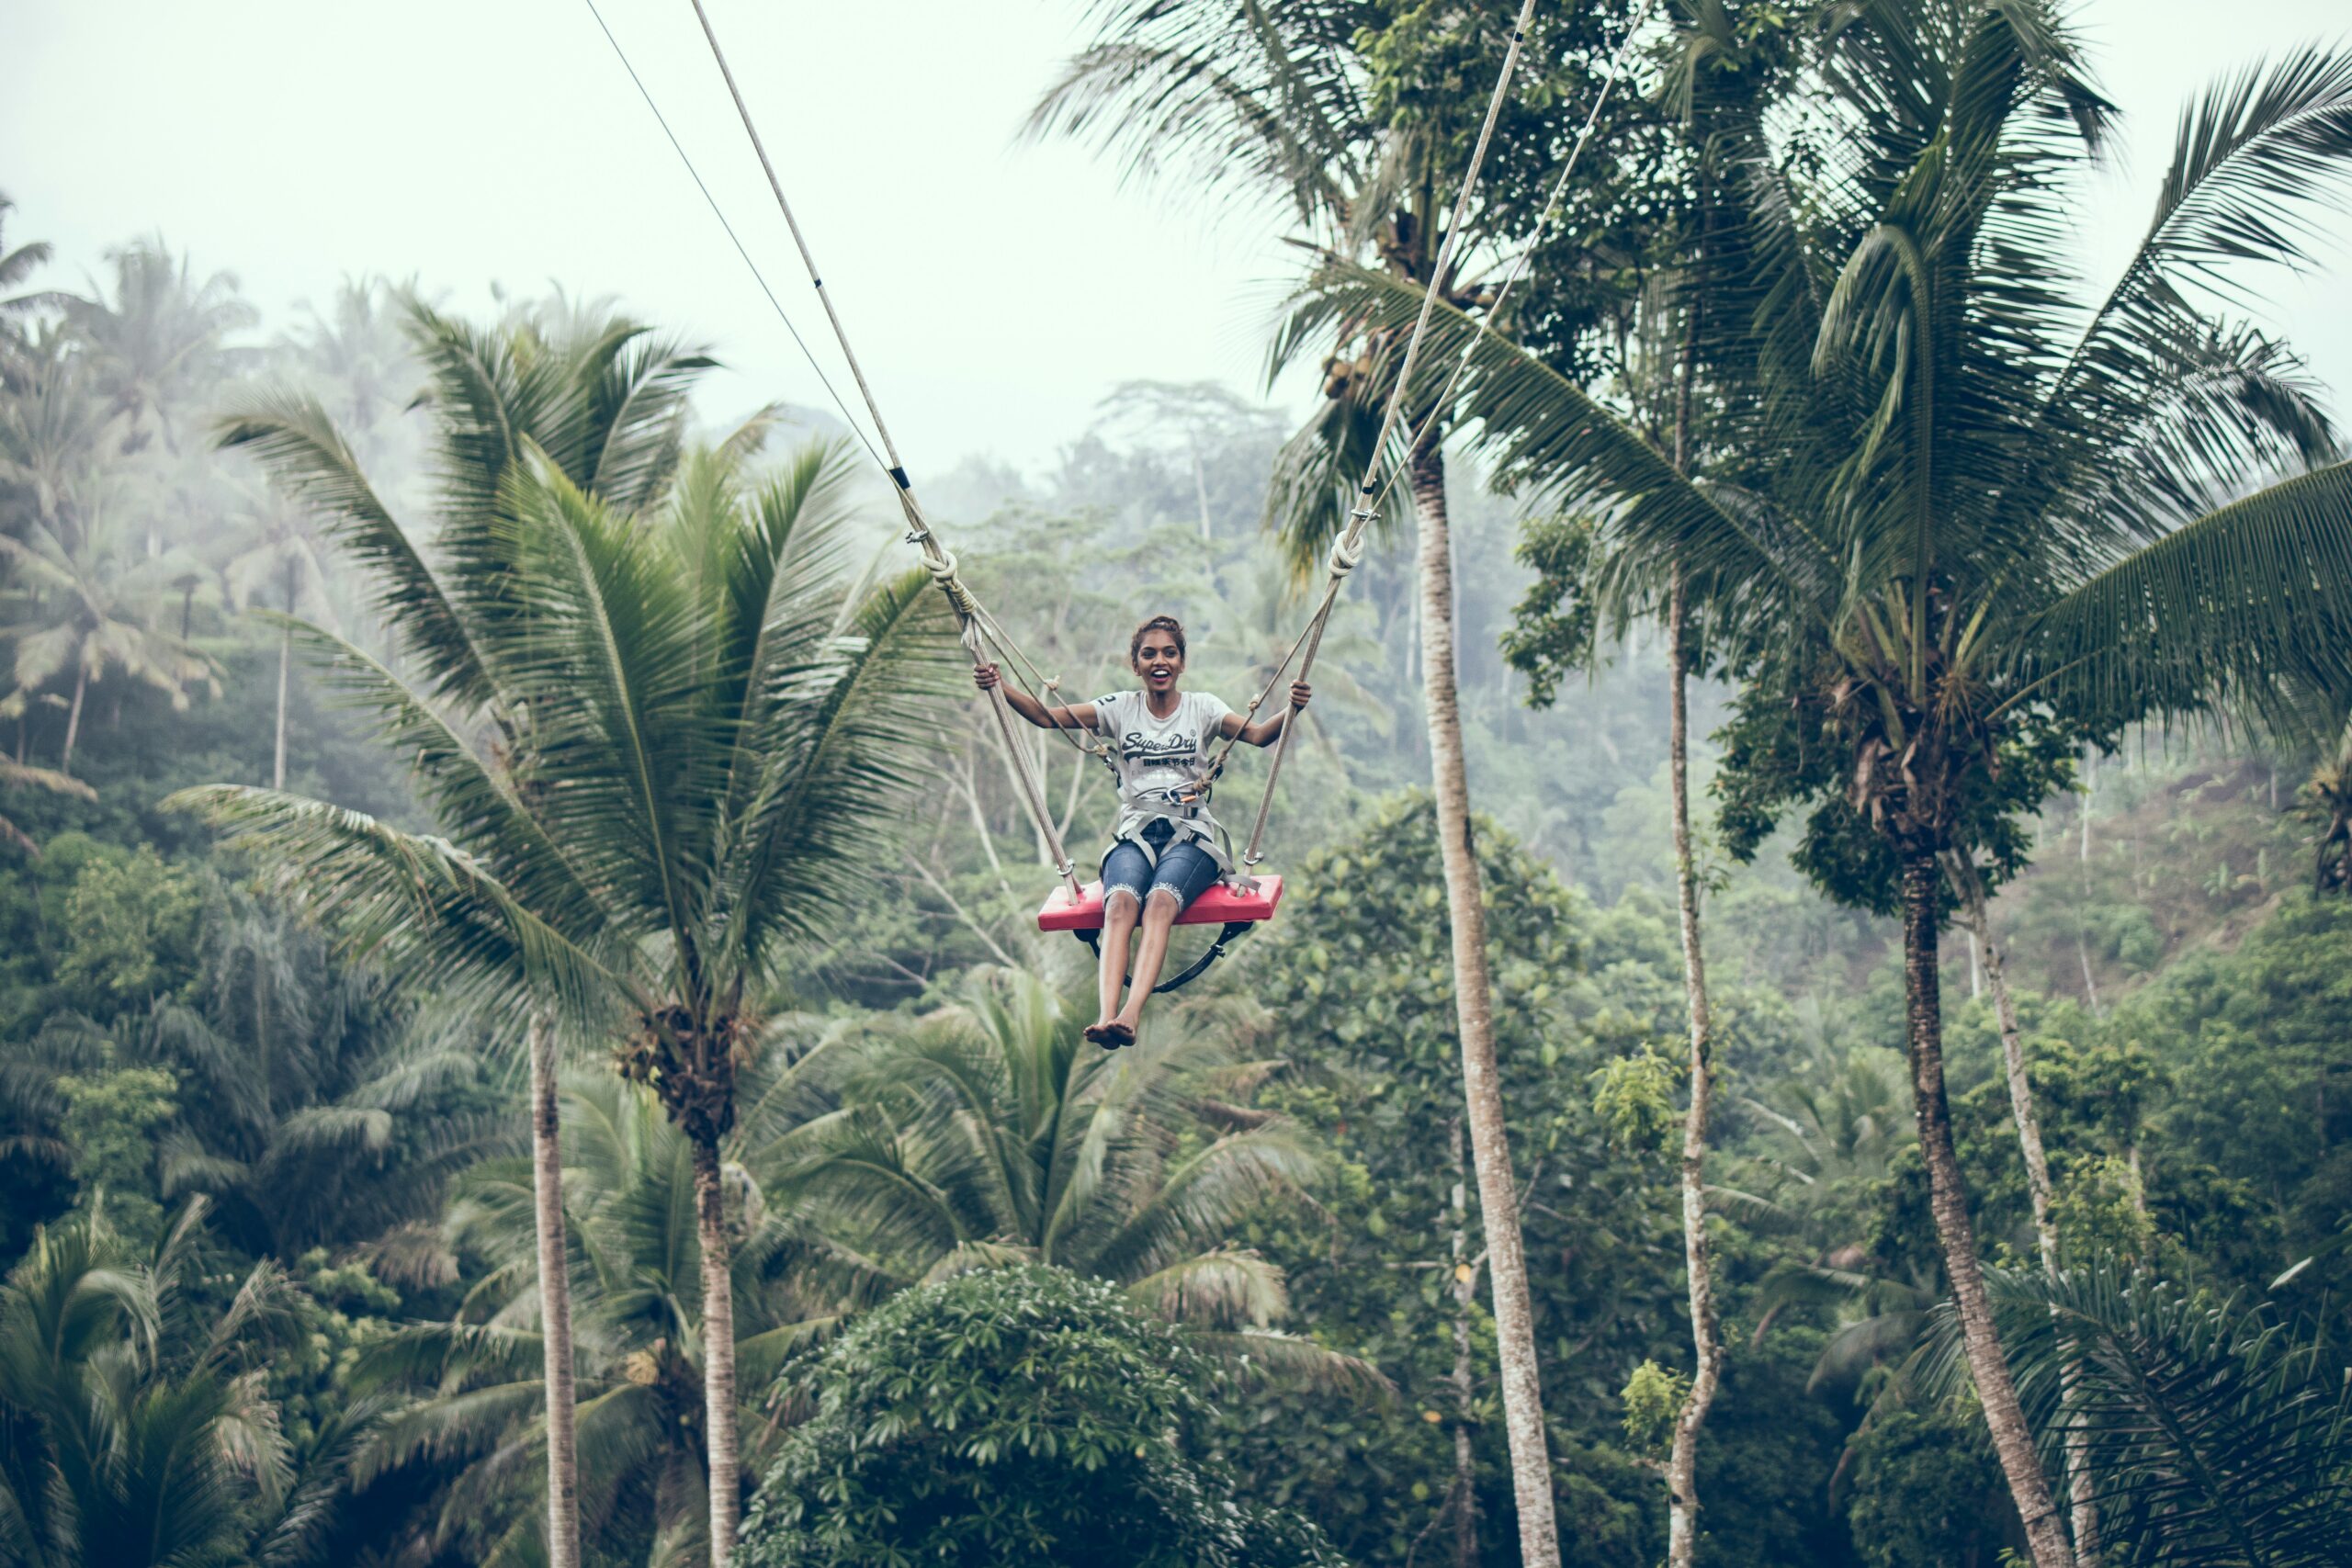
996	290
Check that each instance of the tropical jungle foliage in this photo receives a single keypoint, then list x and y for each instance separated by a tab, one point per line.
522	1039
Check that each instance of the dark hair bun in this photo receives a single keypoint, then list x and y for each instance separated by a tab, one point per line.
1168	624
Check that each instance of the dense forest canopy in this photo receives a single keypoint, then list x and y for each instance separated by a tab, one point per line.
523	1032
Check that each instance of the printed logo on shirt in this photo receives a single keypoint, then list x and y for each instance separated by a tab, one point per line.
1156	752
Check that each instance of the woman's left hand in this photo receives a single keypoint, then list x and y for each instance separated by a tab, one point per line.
1299	692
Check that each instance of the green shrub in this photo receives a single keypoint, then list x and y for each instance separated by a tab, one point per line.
1013	1416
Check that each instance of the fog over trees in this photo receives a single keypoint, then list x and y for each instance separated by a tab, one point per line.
1824	811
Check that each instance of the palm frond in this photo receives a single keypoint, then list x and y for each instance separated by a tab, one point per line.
843	745
433	909
1266	1356
2210	1432
298	444
1246	101
2247	605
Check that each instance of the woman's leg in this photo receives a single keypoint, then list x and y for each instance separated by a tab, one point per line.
1126	871
1184	873
1160	912
1118	930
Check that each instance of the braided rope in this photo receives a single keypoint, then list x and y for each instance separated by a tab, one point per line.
1347	549
1552	207
941	564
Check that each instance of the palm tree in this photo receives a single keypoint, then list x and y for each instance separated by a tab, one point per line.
98	601
317	1109
695	729
51	420
1972	524
357	355
134	1432
162	336
2326	801
17	265
280	554
989	1132
16	775
635	1266
603	404
1282	106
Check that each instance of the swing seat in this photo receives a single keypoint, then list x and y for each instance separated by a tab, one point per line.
1219	906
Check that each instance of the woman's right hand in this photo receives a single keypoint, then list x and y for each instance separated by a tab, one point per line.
986	676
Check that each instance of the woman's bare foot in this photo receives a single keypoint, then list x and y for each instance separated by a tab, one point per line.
1099	1032
1116	1033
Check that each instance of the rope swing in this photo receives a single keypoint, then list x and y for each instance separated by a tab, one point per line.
941	561
980	632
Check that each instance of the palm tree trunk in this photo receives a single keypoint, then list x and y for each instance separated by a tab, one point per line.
718	1352
1464	1499
285	661
1539	1540
1201	491
2037	1175
1988	957
1988	1365
1706	1335
73	717
555	1303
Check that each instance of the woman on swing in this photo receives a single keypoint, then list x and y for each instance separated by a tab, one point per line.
1164	853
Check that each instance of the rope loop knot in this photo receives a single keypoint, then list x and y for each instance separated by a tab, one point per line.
1345	557
942	572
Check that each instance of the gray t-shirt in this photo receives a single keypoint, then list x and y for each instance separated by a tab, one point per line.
1154	756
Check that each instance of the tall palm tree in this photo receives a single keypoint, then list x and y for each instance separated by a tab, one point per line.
1972	522
356	355
52	419
16	775
604	405
1284	106
278	556
681	730
99	602
159	336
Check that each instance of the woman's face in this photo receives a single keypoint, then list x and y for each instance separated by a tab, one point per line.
1158	660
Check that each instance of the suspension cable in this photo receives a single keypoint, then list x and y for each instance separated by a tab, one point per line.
937	558
1347	549
717	211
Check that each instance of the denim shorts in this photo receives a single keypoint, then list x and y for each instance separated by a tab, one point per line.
1185	869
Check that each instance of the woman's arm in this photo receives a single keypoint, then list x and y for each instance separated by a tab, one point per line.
1069	715
1267	731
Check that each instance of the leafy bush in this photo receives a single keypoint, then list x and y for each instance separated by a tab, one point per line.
1016	1416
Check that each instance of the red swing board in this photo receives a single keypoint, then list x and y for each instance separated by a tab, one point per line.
1219	906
